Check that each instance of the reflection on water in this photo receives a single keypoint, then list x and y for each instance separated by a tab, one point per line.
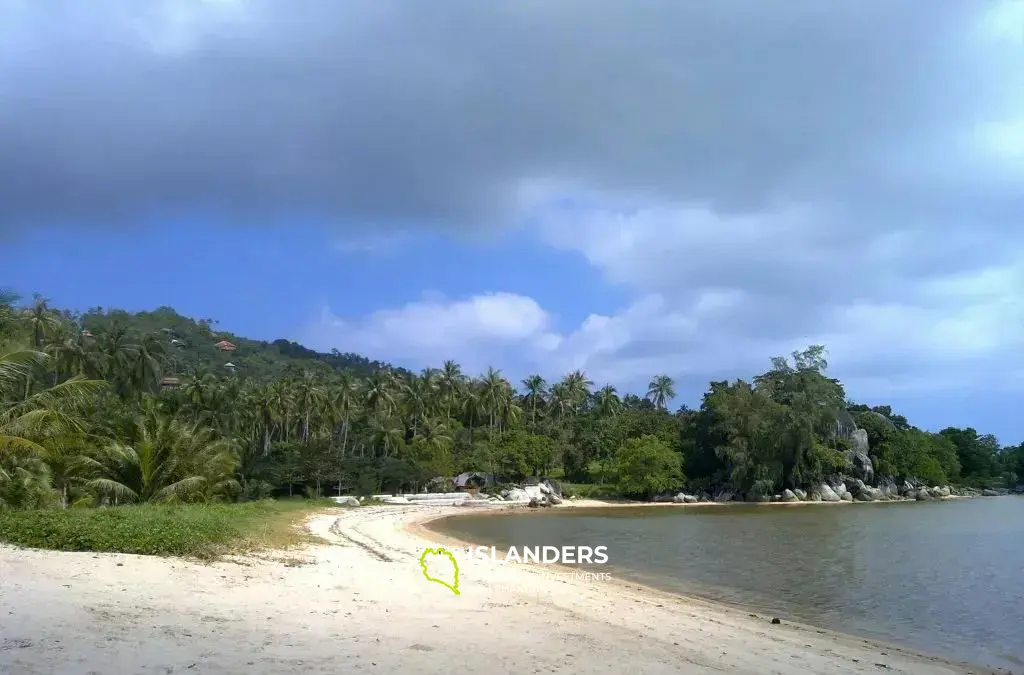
944	577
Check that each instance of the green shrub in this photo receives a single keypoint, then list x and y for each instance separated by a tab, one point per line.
590	491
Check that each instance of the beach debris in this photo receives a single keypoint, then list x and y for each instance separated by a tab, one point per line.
776	621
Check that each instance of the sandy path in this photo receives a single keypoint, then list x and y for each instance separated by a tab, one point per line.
362	604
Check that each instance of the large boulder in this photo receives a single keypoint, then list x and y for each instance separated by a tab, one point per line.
869	494
757	497
518	495
723	497
827	493
923	495
800	495
789	496
346	501
858	456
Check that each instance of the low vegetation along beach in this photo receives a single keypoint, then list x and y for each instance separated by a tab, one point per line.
157	478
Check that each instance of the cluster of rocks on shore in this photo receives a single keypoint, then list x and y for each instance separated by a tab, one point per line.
544	493
840	489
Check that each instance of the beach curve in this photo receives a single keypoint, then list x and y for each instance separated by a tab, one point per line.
360	602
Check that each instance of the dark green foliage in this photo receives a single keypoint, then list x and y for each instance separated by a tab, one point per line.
645	466
263	361
294	422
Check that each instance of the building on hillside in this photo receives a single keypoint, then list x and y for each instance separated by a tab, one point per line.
225	346
86	333
177	343
230	366
170	383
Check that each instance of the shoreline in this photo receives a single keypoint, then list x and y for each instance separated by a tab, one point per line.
420	529
359	601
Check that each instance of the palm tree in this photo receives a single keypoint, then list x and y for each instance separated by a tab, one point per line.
8	315
40	320
577	388
661	390
309	397
536	388
24	483
27	425
608	403
144	364
342	401
378	394
171	460
450	383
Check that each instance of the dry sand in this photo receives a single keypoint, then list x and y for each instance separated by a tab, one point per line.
362	604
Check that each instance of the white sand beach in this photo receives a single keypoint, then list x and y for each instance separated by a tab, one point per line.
362	604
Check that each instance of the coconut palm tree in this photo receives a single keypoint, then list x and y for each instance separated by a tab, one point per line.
41	321
577	388
608	403
171	460
536	387
24	483
450	384
661	390
28	424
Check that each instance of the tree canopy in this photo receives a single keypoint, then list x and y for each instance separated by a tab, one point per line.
113	407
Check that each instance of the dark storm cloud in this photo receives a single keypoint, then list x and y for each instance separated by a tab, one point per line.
370	111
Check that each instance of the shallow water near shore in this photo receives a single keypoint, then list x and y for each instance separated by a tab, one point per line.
944	577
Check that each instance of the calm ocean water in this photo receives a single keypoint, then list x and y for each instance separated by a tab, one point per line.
943	577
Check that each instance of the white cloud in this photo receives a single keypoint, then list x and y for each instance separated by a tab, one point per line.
472	331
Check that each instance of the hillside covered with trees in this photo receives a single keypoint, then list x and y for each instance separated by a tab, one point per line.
87	417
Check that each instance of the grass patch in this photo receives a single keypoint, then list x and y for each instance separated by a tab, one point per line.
204	531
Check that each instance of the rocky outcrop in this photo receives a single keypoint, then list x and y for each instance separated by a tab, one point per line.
789	496
858	456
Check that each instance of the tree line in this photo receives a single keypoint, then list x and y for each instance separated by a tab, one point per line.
85	420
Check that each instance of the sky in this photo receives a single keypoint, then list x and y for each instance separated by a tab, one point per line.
628	188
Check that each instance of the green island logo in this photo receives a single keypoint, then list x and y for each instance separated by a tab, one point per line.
454	586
